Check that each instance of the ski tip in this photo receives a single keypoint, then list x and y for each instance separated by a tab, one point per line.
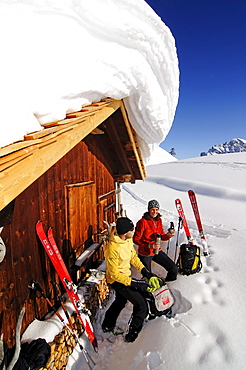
191	192
50	232
39	222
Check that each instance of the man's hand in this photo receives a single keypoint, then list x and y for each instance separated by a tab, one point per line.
140	285
146	273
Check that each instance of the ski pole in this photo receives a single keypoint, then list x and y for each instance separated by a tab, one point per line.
168	243
177	240
37	287
57	290
56	286
171	230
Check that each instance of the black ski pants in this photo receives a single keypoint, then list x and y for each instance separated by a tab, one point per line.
123	294
163	260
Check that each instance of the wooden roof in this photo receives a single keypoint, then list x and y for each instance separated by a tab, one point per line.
104	126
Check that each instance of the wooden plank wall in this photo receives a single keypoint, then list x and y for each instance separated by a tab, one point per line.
25	258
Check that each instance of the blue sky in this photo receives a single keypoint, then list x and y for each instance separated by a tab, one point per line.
210	38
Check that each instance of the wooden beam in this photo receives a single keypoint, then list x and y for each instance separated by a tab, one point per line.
133	140
124	178
117	144
96	143
17	177
56	128
97	131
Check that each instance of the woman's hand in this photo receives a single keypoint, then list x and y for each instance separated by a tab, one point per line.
156	246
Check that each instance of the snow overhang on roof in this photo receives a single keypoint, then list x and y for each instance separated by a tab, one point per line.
104	124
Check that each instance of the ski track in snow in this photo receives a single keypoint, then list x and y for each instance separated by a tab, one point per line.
143	201
235	165
199	187
212	230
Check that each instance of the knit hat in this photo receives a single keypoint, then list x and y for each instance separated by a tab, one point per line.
153	204
123	225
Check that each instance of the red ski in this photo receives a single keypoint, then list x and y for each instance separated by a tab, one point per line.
194	205
184	221
71	289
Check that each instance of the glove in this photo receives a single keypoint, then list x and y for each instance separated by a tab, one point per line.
146	273
154	282
140	285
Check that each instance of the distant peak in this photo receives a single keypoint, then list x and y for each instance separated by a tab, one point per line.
233	146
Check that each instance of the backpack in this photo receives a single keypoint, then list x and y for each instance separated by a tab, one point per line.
160	300
189	261
32	355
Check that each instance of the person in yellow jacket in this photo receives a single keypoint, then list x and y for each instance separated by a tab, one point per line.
120	255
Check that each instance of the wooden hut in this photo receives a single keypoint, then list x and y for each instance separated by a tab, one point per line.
65	175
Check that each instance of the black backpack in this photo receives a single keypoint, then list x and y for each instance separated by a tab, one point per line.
33	356
189	261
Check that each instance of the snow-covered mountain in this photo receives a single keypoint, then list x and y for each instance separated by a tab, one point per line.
233	146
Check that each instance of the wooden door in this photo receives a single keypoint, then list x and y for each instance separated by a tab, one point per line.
81	215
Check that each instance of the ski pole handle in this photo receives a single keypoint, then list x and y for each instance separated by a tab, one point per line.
56	292
171	228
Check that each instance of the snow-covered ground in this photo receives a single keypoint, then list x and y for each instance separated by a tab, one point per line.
212	333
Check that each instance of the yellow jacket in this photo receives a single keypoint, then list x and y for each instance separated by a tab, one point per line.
120	255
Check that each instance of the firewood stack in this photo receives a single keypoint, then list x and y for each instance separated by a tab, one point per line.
96	292
62	346
103	292
96	295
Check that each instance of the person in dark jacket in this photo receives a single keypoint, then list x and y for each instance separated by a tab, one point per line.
145	238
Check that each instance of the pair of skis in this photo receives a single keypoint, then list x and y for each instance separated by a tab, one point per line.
71	289
194	204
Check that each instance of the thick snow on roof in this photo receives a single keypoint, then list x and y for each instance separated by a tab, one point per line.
60	55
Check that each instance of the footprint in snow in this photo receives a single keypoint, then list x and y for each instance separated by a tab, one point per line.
210	291
153	359
208	265
212	349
